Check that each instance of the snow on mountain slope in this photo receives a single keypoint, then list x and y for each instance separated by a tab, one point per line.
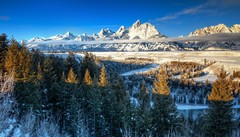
122	32
142	37
220	28
84	37
70	41
37	39
235	28
142	31
68	36
105	33
137	30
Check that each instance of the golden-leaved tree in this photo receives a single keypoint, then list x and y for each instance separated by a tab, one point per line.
220	88
87	78
103	80
72	77
161	84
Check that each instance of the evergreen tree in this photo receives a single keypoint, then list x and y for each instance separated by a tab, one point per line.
37	58
165	120
12	59
219	116
122	118
103	80
39	73
3	50
24	72
49	73
87	78
71	62
90	62
144	118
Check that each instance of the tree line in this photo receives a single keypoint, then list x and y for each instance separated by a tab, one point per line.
87	100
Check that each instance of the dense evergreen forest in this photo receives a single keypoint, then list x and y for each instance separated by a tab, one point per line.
51	96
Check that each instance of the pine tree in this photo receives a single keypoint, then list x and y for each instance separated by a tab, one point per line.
24	72
220	88
87	78
72	77
103	80
37	58
3	50
39	72
12	59
144	118
165	120
219	116
161	84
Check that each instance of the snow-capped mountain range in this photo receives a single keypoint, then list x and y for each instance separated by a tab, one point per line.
145	36
136	31
220	28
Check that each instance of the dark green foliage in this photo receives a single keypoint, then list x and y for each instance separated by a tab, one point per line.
91	63
218	121
66	88
165	116
27	95
37	59
144	116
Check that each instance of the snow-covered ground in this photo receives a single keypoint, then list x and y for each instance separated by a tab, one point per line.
65	55
209	77
230	60
142	70
192	107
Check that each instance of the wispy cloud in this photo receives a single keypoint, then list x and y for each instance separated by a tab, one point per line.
209	7
189	11
224	3
4	18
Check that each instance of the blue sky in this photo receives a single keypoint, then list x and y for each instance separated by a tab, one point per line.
24	19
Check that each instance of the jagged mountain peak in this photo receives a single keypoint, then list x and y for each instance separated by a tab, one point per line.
136	24
235	28
220	28
142	31
105	33
121	28
121	32
68	34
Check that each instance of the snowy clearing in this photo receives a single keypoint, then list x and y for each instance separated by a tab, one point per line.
197	107
192	107
142	70
65	55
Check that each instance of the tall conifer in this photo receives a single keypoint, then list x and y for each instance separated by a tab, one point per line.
87	78
103	80
219	116
165	120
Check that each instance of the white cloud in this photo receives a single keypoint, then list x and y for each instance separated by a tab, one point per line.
210	6
189	11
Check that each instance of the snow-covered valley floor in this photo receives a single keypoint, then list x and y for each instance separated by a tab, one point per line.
230	60
142	70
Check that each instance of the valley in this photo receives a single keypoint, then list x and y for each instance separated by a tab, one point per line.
229	59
